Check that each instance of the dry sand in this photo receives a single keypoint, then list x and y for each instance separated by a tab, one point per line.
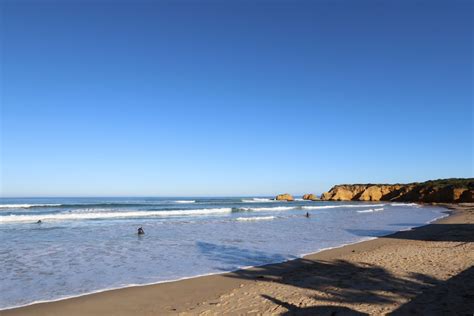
425	271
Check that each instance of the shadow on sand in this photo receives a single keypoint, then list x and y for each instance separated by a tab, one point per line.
431	232
438	232
452	297
314	310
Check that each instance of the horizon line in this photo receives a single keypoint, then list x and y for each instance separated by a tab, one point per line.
145	196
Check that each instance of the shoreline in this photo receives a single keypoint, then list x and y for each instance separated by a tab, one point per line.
220	282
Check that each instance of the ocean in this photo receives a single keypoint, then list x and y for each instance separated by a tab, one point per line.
87	245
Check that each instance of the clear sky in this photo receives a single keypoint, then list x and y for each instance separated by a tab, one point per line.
182	98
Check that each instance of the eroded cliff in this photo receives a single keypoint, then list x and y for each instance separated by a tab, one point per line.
442	191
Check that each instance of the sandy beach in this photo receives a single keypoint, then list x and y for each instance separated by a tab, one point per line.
236	157
427	270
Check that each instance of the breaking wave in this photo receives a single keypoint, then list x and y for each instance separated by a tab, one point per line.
256	218
275	208
109	215
321	207
405	204
371	210
258	200
27	205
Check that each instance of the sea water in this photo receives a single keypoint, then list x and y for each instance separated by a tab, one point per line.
86	245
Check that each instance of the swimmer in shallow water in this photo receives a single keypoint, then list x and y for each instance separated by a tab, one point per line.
141	231
307	214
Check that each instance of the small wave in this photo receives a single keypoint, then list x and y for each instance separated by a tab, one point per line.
256	218
27	205
371	210
275	208
405	204
103	215
76	205
258	200
100	204
320	207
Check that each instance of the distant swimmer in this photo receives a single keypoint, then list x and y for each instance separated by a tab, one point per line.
39	222
141	231
307	214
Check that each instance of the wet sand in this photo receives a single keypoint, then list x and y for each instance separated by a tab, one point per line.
428	270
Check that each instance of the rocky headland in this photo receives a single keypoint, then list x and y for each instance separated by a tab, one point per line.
455	190
434	191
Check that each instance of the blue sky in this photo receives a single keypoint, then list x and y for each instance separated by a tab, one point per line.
176	98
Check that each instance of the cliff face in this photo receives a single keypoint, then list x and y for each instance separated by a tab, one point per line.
446	191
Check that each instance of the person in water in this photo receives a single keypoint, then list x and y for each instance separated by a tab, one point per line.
141	231
39	222
307	214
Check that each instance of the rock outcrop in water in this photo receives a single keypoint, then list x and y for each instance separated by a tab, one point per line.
442	191
284	197
311	197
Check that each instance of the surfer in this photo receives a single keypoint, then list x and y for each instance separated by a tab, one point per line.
307	214
141	231
39	222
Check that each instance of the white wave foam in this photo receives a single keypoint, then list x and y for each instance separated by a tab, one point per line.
371	210
25	205
318	207
103	215
185	201
92	210
275	208
258	200
337	206
405	204
257	218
